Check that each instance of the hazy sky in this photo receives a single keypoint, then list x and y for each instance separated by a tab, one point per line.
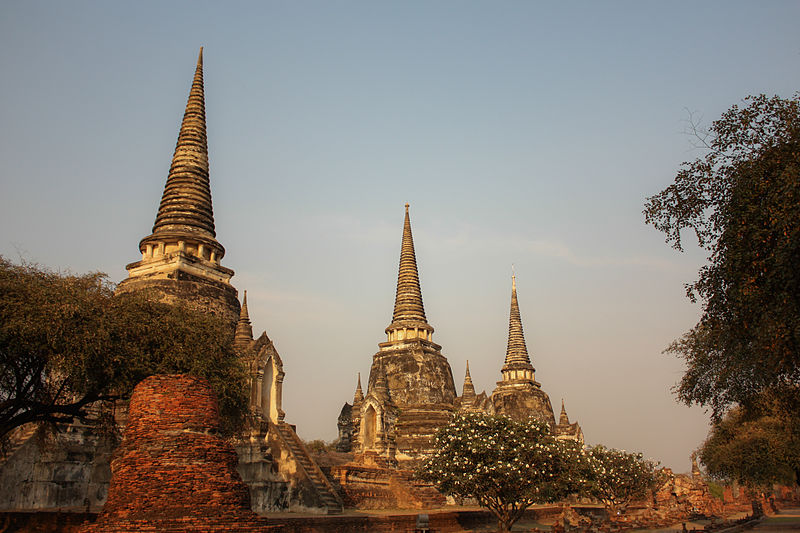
520	132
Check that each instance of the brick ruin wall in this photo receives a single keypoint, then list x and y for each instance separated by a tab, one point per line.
173	472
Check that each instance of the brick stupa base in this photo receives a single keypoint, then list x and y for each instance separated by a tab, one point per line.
172	471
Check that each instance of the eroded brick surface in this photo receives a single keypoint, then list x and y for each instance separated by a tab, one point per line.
173	472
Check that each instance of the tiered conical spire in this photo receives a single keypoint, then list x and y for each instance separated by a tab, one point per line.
468	391
516	351
244	329
186	202
358	397
563	419
408	301
183	250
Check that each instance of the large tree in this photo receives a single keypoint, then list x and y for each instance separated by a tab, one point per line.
67	342
742	201
506	465
757	446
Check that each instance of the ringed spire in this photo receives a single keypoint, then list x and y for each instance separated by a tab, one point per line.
517	363
409	312
468	391
186	202
181	257
243	335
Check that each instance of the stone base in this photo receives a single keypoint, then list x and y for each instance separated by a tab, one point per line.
521	400
258	468
217	298
375	487
414	433
65	470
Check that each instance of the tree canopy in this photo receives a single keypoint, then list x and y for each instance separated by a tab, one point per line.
506	465
66	341
619	477
757	446
742	201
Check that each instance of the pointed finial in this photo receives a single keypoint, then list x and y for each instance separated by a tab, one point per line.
358	397
563	419
408	305
243	335
186	202
243	313
468	390
516	350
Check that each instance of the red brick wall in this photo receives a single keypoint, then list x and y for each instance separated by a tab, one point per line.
173	472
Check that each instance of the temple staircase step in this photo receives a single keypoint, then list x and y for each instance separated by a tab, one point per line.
328	495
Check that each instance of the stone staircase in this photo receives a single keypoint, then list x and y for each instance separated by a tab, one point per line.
17	439
328	495
419	494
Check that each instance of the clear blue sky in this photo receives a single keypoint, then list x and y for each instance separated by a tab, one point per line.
520	132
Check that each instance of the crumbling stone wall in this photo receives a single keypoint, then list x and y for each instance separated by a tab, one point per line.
66	470
173	472
259	470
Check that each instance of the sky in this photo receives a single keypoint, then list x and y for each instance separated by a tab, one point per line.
524	133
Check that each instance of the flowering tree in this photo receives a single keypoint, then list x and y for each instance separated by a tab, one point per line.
506	465
619	477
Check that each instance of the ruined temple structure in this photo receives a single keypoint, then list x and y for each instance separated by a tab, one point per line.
180	263
410	395
181	257
518	394
410	392
273	461
469	402
345	421
265	366
173	472
565	430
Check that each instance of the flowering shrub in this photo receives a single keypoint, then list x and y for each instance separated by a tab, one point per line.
504	464
619	477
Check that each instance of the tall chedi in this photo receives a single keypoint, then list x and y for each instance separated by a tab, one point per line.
181	257
519	395
410	391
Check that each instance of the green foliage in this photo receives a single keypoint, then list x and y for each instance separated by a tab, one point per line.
319	446
758	445
66	341
742	201
504	464
717	490
620	477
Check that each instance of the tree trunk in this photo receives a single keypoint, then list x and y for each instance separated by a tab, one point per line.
504	523
758	510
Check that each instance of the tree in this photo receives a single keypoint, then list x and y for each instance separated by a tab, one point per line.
505	465
67	342
757	446
742	201
619	477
